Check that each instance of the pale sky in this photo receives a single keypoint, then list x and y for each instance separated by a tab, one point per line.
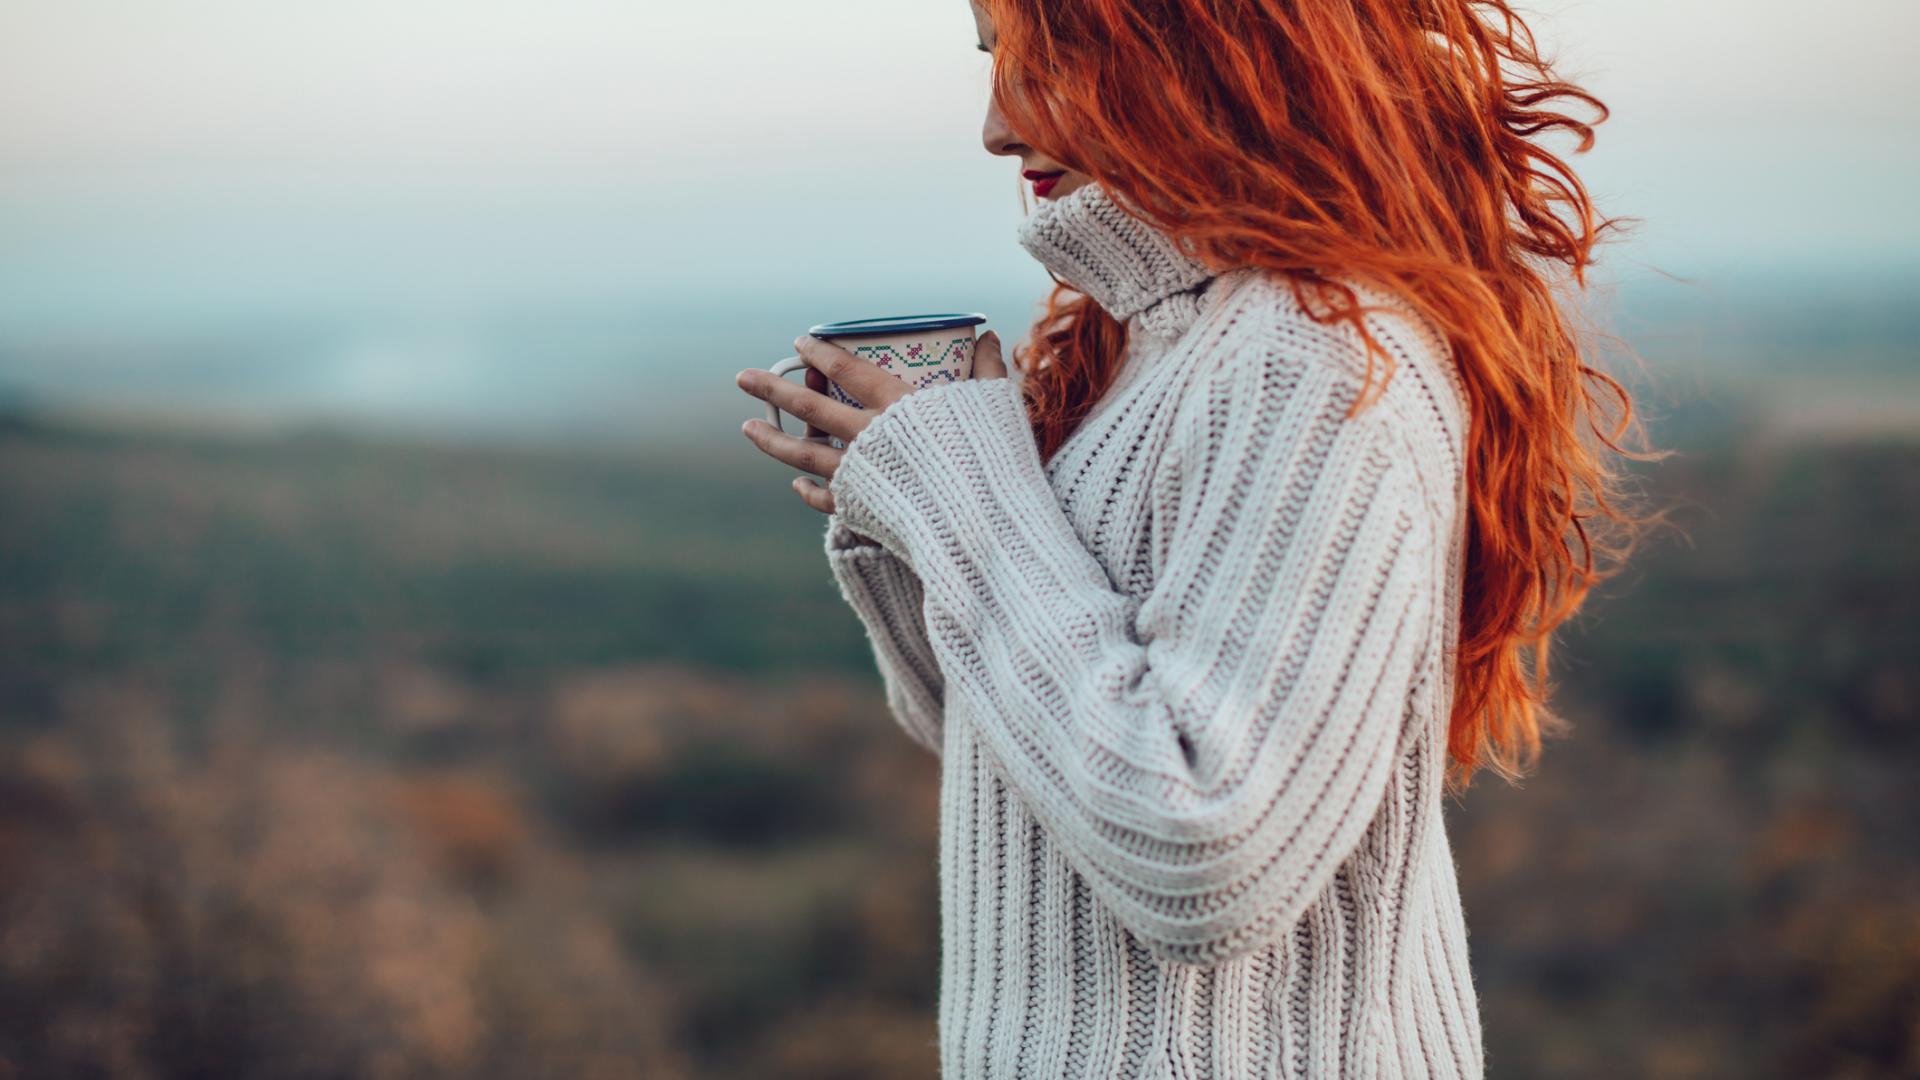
736	135
200	160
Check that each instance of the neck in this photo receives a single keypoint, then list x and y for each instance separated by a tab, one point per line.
1133	270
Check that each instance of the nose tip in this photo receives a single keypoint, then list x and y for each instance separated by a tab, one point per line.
995	135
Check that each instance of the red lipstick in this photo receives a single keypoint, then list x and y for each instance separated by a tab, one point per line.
1043	181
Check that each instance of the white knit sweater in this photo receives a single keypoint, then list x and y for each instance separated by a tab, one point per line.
1189	683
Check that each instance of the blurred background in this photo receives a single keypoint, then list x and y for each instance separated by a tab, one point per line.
408	670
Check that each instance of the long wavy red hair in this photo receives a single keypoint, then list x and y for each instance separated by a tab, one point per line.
1393	142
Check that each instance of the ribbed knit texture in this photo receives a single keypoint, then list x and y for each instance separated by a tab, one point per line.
1189	683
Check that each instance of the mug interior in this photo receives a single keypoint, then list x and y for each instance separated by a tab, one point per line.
897	324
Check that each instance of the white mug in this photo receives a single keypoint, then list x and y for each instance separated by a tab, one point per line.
921	349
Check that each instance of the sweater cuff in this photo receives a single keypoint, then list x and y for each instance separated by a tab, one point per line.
841	539
917	478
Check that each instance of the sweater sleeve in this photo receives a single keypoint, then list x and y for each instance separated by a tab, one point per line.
1207	754
886	595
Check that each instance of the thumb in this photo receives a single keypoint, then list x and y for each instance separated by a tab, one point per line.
987	360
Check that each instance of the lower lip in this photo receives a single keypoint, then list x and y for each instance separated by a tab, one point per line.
1044	185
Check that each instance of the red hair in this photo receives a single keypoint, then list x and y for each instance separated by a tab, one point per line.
1385	141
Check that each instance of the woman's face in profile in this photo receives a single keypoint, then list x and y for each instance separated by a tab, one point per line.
1049	178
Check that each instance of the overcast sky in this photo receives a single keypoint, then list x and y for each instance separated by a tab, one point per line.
257	155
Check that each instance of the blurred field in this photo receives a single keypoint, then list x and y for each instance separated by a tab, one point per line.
325	756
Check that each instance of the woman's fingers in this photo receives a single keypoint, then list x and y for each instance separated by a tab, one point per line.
814	495
987	360
817	383
862	381
815	457
822	414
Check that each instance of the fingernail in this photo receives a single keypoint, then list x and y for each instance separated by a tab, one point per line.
800	342
746	427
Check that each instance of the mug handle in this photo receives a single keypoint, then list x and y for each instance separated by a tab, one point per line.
782	369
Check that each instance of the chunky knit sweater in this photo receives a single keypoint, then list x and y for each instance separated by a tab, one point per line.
1188	680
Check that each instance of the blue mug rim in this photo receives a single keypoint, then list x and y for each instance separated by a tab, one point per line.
896	324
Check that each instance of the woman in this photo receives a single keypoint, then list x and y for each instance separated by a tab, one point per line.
1204	609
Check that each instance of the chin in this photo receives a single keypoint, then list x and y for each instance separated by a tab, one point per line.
1065	188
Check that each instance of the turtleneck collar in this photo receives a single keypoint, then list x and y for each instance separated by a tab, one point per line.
1134	271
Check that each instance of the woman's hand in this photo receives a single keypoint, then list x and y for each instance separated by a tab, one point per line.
863	382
